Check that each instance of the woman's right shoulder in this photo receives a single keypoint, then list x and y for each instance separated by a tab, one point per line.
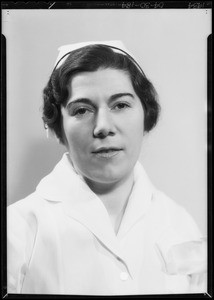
24	217
29	205
22	227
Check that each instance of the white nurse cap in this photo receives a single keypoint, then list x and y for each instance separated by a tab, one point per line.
116	46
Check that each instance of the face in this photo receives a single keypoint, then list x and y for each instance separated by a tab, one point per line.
103	123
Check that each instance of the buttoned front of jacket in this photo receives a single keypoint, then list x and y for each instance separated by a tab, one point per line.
61	241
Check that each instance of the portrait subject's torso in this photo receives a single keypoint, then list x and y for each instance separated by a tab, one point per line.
62	241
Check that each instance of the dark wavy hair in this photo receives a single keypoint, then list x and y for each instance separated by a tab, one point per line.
88	59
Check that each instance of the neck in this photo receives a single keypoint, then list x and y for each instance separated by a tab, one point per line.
114	197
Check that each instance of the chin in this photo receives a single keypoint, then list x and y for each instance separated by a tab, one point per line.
109	176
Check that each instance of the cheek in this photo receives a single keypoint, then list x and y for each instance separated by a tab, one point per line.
135	133
135	125
77	136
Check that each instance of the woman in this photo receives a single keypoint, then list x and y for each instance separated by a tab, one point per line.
96	225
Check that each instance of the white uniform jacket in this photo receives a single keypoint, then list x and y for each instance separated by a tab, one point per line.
61	241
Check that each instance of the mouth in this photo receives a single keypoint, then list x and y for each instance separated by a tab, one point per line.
107	152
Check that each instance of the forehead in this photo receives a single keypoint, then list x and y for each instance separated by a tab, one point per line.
106	80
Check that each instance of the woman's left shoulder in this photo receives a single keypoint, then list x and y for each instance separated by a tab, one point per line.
169	205
180	245
175	215
161	199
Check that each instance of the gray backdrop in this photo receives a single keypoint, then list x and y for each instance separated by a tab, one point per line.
171	47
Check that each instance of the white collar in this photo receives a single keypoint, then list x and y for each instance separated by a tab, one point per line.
64	185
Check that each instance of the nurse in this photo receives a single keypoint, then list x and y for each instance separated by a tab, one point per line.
96	225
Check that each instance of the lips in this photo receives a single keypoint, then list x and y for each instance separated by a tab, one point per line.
106	149
106	152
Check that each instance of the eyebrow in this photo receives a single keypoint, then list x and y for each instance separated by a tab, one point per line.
88	101
119	95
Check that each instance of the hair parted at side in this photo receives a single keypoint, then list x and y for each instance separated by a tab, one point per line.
89	59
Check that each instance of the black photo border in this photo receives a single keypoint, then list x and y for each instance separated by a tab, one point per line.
102	5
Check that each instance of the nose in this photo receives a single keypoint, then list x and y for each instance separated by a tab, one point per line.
103	124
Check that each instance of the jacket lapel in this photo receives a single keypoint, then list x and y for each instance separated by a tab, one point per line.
139	200
79	202
64	185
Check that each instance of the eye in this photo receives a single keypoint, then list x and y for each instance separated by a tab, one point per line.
121	105
80	111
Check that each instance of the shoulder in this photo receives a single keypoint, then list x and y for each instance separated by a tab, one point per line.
22	227
169	207
22	216
179	240
26	205
161	205
161	199
177	223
